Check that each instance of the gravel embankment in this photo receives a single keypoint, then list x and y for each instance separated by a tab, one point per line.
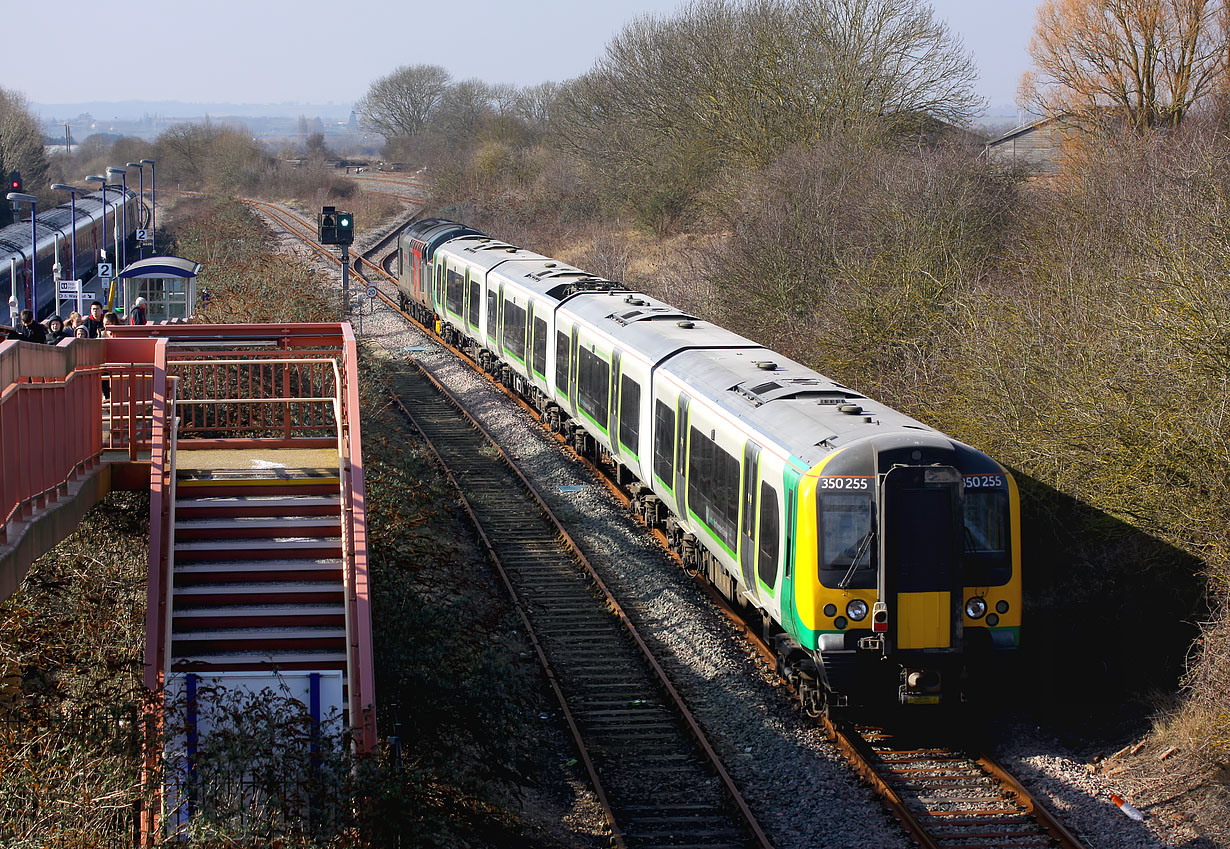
798	786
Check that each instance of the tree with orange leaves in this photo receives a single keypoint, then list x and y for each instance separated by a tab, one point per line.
1145	62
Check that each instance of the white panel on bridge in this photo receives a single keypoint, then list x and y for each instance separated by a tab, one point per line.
196	702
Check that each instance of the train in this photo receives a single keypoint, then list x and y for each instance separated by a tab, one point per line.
54	229
881	557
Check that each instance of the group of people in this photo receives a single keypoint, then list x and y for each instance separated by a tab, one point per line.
51	331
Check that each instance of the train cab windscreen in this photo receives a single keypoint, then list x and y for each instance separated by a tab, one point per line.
986	538
848	549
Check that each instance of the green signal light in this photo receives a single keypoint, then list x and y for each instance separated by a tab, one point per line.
345	222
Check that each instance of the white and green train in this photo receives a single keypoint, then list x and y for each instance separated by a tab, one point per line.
882	555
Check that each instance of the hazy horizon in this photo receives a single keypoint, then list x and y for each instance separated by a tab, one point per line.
279	53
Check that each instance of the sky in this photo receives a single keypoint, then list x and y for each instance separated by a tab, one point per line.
330	51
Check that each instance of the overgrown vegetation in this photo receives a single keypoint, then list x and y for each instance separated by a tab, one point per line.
72	643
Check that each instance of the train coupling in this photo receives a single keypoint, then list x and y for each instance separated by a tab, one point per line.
920	687
872	643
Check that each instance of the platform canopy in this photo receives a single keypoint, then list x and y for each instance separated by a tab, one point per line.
161	266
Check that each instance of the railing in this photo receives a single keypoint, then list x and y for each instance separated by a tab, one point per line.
354	536
49	434
270	395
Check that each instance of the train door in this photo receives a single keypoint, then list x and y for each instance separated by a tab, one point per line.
573	367
920	564
500	320
747	524
612	418
681	455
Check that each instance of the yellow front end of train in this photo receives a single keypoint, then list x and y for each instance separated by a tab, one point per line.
907	571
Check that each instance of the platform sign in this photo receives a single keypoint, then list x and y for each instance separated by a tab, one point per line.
104	270
70	294
143	236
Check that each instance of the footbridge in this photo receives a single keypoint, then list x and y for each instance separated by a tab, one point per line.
247	438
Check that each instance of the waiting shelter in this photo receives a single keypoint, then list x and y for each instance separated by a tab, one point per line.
168	284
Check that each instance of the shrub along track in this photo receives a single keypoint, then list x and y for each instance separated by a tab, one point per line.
940	795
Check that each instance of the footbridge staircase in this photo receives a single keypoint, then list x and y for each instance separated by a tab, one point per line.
248	440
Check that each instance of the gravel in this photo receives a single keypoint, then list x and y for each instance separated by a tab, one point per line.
799	787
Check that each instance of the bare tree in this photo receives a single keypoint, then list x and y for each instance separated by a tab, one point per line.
1146	62
21	141
732	83
401	103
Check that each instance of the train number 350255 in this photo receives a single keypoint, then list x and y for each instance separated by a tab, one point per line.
984	481
845	483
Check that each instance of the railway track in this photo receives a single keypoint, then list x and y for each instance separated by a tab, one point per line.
943	796
658	779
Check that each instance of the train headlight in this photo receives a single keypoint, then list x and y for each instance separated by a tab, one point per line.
857	609
976	607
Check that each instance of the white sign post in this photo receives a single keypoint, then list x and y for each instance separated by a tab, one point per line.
69	292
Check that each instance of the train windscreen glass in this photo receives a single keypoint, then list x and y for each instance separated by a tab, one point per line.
986	538
848	549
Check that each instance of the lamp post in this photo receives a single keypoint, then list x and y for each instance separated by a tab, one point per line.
121	227
97	178
153	206
141	194
72	193
33	201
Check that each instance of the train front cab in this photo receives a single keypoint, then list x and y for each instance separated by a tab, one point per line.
908	571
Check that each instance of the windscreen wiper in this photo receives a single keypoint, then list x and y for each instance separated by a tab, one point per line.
864	546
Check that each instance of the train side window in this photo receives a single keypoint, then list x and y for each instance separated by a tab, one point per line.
561	361
630	414
454	291
713	487
766	560
476	300
540	347
593	385
492	313
664	443
514	330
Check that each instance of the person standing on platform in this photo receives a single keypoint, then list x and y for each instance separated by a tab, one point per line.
138	312
31	330
56	330
94	321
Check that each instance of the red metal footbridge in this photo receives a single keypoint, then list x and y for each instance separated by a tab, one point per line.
247	438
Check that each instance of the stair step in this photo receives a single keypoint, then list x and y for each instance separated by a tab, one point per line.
205	642
220	571
262	592
314	474
220	661
257	505
257	549
250	616
244	527
271	487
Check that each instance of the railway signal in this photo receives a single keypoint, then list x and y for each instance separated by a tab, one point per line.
328	225
14	181
345	228
337	228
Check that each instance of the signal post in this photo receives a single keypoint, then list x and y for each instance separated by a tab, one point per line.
337	228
